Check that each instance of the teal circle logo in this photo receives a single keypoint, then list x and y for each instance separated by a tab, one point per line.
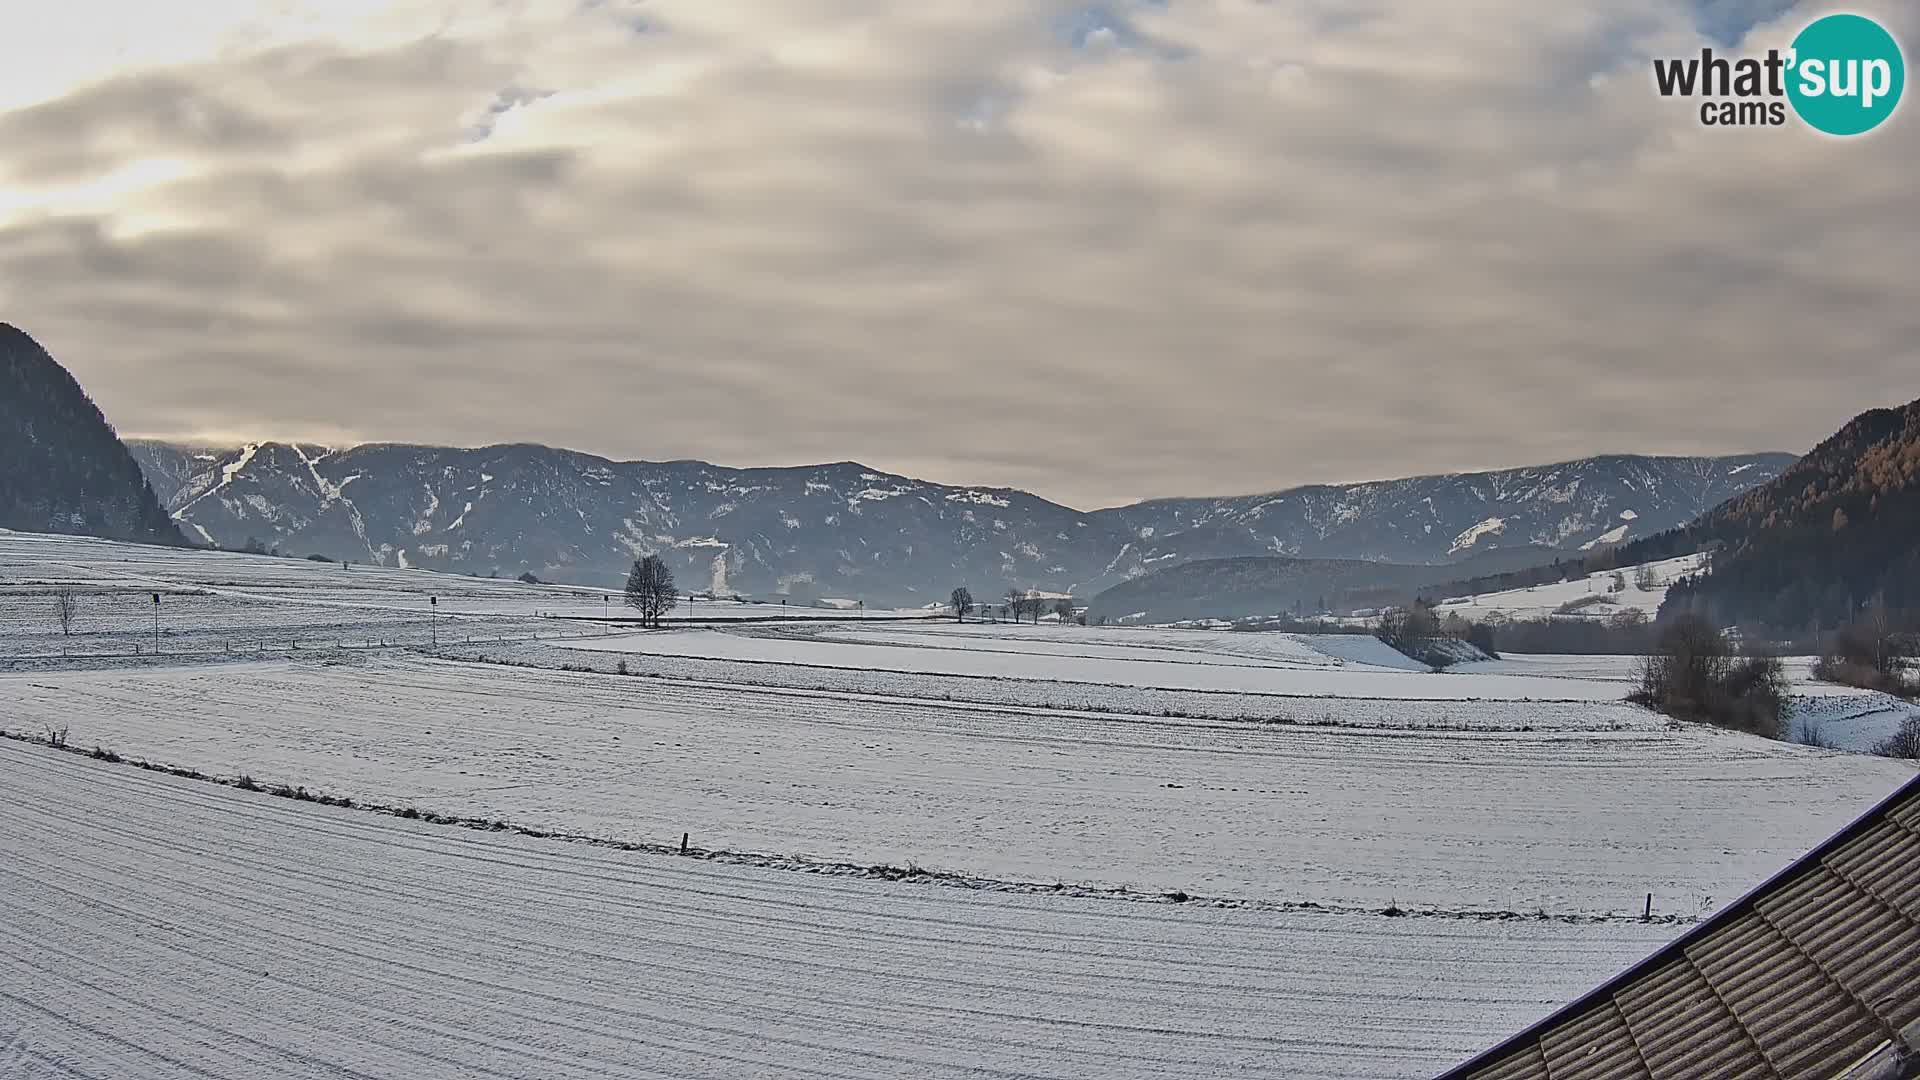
1846	74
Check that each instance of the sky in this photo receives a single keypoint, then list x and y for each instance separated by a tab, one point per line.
1101	252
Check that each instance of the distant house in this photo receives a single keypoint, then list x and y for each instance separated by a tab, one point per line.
1815	975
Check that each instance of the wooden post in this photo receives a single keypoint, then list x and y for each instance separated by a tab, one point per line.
683	842
1648	917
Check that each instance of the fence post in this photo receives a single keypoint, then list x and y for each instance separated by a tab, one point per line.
683	842
1648	917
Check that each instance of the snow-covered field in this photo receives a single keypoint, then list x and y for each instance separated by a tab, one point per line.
168	929
1516	821
1295	665
1824	713
179	928
1858	721
1441	713
1589	596
223	601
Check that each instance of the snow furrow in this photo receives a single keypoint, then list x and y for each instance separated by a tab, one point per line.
187	930
1565	821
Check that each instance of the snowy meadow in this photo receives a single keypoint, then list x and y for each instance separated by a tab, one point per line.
817	844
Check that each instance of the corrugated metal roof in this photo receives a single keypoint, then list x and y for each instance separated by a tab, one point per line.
1805	978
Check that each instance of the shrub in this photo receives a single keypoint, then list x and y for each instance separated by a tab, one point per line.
1873	653
1694	675
1904	743
1754	697
1815	735
1837	668
1417	632
1481	636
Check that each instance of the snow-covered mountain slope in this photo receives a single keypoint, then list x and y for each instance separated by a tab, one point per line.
845	530
1576	505
829	530
1601	594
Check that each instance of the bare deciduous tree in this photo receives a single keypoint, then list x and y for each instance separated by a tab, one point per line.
962	603
65	606
1063	607
1904	743
650	589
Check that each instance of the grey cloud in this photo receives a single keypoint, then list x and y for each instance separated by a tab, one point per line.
89	132
1143	277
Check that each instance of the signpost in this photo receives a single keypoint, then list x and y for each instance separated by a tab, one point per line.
156	624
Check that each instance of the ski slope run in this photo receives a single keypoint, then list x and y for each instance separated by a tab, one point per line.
169	929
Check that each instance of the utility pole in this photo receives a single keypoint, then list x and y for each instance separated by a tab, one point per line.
156	624
606	614
433	606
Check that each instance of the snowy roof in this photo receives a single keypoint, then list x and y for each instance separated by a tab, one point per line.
1816	973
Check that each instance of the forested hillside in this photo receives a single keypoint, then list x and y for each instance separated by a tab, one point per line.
1838	530
62	468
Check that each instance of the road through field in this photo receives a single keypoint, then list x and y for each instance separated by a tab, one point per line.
170	929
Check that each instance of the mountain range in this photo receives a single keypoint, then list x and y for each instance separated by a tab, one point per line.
845	530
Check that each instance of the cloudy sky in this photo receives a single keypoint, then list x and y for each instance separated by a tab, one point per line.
1100	251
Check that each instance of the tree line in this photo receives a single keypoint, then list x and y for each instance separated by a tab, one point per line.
1019	605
